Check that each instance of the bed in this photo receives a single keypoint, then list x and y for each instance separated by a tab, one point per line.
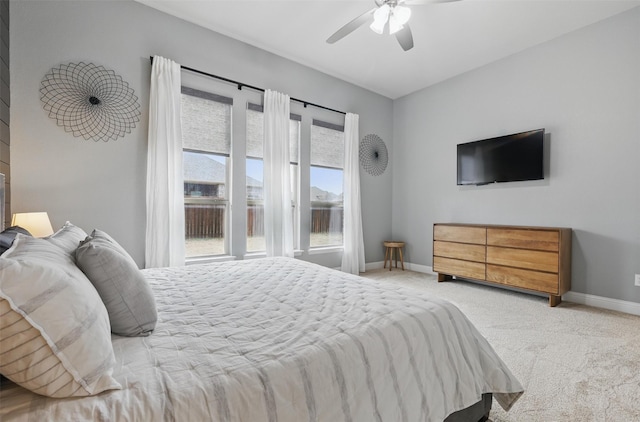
280	339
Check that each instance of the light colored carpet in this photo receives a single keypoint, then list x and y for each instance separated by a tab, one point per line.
576	363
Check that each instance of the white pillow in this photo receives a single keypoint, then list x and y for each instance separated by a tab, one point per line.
55	335
68	237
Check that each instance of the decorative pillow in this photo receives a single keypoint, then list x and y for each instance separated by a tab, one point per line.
121	285
54	332
68	237
7	236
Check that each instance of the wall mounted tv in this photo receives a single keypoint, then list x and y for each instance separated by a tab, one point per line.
507	158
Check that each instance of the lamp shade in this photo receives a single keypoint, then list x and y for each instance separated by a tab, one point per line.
37	223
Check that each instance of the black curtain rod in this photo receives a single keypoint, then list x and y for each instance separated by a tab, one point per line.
243	85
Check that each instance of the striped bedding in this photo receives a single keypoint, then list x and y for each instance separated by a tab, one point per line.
281	340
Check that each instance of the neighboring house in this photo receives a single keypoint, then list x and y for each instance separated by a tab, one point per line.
204	176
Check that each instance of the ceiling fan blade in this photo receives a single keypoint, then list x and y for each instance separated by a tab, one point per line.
405	38
418	2
351	26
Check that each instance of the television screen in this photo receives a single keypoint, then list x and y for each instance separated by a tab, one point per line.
507	158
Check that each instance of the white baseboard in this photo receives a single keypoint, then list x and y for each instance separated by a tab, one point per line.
373	265
603	302
627	307
418	268
407	266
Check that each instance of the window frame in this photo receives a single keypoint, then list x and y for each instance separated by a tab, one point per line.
236	224
228	182
340	128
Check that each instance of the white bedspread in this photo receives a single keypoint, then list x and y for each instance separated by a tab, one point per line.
283	340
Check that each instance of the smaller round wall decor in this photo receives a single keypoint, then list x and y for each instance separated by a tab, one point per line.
373	155
89	101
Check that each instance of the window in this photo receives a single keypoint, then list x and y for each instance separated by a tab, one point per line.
206	142
326	175
217	176
254	177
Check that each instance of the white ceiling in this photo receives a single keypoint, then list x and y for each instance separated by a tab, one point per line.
450	38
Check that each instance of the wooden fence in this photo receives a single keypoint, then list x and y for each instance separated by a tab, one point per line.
204	221
255	220
326	218
207	221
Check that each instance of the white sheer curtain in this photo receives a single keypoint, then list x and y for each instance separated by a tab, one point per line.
165	199
353	255
278	218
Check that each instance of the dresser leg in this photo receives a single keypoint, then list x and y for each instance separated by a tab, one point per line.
554	300
444	277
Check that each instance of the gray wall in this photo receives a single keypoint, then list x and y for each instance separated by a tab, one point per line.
584	88
103	184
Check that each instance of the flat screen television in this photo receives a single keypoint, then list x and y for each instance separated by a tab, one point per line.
507	158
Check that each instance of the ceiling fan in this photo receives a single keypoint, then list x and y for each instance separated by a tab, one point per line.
394	12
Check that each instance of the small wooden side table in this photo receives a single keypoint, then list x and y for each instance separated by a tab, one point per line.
391	247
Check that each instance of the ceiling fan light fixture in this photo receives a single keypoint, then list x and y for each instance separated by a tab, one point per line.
394	25
378	27
401	14
380	17
391	12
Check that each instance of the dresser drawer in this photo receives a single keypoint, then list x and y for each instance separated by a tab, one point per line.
533	280
522	258
464	251
462	234
459	268
543	240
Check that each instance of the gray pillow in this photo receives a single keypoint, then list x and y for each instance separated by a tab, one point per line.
7	236
121	285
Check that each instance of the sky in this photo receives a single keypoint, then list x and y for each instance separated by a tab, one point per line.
327	179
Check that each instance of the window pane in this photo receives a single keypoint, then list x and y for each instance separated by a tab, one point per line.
205	205
206	139
327	161
204	175
255	206
326	207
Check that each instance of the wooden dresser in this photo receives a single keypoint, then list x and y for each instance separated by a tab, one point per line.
532	258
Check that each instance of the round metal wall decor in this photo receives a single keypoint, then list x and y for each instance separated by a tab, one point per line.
90	101
373	155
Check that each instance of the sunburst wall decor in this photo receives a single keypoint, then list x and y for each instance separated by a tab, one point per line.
373	155
90	101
